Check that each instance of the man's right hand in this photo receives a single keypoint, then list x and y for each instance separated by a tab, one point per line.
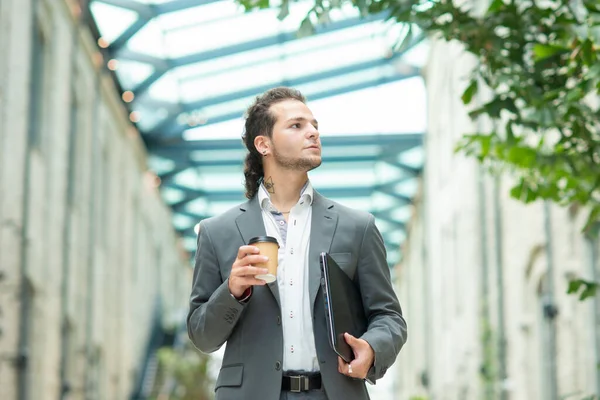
243	274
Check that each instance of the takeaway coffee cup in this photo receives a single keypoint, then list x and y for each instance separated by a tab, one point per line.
268	247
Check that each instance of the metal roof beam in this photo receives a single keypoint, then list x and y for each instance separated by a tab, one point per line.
375	139
140	8
160	65
398	140
167	176
235	195
171	125
188	232
391	246
393	193
243	47
193	215
396	224
146	13
128	34
411	170
325	159
179	5
311	97
322	95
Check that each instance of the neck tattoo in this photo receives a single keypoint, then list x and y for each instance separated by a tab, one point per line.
269	185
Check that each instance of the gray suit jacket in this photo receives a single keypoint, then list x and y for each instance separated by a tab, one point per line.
253	357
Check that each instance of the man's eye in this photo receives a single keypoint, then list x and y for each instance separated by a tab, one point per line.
296	126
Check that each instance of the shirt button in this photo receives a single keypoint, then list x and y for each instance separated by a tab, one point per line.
291	251
291	314
291	282
292	349
281	223
277	365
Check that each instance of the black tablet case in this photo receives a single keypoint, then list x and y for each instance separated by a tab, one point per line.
343	307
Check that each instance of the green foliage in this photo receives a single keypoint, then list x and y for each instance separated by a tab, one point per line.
582	287
183	375
540	64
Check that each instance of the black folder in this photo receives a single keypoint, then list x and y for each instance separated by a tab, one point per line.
343	307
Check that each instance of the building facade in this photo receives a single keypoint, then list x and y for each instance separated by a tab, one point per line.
89	261
484	278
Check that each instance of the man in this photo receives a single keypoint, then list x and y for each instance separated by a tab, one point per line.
276	334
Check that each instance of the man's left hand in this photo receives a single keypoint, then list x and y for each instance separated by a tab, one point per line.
363	358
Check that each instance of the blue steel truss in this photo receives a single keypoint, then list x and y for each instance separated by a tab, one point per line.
389	149
165	140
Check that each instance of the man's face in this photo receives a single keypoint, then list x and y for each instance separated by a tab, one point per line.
295	141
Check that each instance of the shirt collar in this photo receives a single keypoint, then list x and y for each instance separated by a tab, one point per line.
264	198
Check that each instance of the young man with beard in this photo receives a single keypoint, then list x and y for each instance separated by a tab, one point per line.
276	334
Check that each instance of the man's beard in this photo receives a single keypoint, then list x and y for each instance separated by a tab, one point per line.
296	164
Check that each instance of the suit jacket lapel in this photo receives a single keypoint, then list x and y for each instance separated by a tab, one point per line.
323	223
250	224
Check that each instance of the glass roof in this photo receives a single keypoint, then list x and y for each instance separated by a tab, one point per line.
190	68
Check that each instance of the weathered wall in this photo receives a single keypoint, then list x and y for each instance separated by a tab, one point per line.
86	244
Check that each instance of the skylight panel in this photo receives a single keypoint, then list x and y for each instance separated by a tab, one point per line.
219	33
413	157
210	155
112	21
219	181
147	117
132	73
167	88
171	195
184	19
346	80
270	54
160	165
149	40
338	178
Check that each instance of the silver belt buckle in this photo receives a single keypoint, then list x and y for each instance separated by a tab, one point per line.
296	385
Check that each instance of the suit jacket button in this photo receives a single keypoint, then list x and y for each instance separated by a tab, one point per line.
278	320
277	365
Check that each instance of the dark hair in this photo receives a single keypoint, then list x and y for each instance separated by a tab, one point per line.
260	121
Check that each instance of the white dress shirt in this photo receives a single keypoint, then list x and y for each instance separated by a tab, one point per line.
293	236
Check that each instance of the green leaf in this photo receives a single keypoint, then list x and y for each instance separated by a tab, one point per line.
516	192
588	54
467	95
589	288
510	135
543	51
495	6
574	286
593	219
589	291
592	6
575	94
594	71
523	192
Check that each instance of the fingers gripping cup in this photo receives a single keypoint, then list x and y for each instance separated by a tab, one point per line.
268	247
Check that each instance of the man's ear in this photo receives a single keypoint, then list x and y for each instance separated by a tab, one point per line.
262	144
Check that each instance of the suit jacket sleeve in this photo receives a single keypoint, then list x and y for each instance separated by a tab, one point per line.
386	332
213	311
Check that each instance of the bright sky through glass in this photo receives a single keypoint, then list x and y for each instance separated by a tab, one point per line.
195	71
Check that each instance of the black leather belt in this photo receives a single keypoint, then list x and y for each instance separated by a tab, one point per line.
301	383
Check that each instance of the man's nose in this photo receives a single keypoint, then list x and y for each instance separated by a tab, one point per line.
313	132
